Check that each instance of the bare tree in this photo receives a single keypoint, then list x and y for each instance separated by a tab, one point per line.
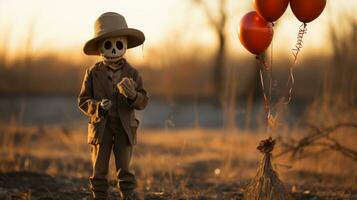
318	137
343	73
225	90
27	64
4	45
217	20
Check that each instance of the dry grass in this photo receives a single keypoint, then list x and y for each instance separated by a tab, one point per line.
188	164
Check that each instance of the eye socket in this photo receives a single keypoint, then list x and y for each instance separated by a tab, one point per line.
107	45
119	45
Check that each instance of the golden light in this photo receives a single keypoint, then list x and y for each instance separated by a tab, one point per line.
64	26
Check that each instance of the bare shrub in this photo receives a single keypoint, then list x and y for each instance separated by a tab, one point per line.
266	184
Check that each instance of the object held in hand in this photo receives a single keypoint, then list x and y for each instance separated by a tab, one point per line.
106	104
127	88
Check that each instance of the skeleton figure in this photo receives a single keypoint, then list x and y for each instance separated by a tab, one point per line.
113	49
112	89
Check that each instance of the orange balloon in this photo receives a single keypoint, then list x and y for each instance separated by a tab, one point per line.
255	33
307	10
271	10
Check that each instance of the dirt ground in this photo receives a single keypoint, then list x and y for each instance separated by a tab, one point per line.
54	163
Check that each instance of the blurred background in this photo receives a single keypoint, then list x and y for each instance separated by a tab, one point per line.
193	65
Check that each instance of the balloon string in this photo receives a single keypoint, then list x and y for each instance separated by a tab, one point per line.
296	50
264	66
269	115
289	85
262	62
271	67
299	42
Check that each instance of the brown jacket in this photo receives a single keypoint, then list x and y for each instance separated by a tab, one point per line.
95	87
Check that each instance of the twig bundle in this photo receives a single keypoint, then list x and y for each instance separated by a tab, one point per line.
266	184
318	137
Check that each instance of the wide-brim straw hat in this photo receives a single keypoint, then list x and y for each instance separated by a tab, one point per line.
112	24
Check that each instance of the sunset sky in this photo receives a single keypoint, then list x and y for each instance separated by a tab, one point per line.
64	26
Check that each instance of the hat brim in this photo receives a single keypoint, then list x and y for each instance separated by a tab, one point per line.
134	36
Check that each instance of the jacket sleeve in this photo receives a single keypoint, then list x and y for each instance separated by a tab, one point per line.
142	98
86	102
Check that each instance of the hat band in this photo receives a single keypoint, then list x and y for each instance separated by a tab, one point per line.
104	31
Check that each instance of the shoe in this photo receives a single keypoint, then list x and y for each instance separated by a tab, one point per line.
129	195
99	196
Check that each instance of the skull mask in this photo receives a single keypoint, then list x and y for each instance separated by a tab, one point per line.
113	49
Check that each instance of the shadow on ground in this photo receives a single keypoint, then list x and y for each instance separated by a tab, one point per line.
32	185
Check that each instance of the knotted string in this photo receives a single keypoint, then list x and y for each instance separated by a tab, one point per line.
299	42
295	51
266	146
263	65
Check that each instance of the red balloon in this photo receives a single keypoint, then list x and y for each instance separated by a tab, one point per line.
255	33
271	10
307	10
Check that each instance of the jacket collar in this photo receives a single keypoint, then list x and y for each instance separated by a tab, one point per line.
117	66
103	76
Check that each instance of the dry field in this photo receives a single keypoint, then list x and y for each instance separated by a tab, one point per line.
54	163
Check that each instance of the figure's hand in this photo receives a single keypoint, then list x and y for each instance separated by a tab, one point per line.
127	88
106	104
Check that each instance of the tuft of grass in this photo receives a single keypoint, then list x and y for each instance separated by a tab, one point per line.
266	185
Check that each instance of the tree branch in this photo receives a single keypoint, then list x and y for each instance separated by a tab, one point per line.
319	137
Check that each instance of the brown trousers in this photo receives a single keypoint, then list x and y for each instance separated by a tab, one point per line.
116	140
